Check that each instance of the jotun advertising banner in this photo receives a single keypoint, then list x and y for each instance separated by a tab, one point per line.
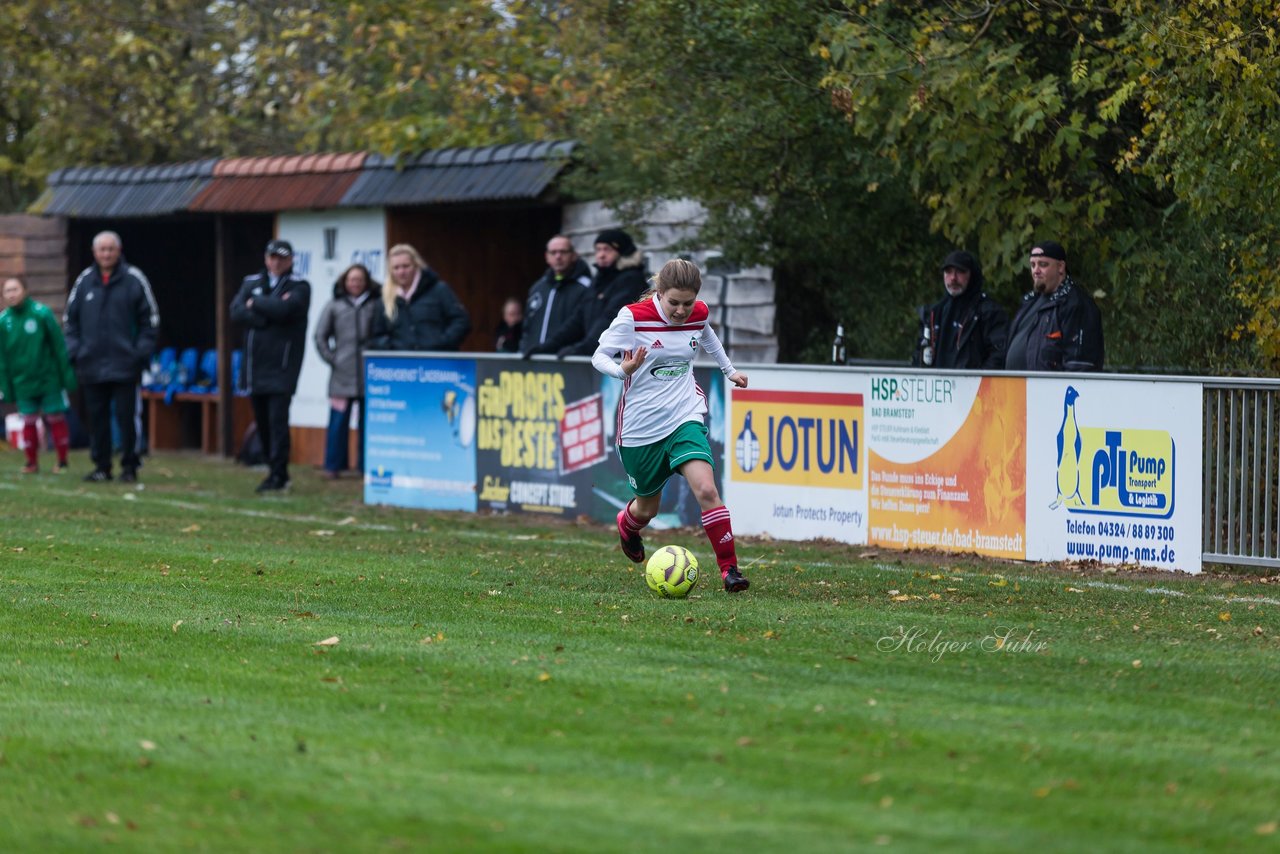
1113	472
946	463
797	457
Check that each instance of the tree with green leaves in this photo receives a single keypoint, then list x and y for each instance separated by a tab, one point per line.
722	102
1105	124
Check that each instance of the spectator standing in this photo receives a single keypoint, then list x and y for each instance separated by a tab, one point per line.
556	299
420	310
510	328
111	323
1058	326
620	279
341	335
965	329
35	374
272	305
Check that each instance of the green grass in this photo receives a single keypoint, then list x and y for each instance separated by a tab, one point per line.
501	683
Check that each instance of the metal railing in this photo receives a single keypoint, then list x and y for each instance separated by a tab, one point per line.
1241	466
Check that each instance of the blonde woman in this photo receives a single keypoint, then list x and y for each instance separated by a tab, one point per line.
420	310
661	429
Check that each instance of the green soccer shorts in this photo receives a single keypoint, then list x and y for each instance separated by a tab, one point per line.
649	466
50	404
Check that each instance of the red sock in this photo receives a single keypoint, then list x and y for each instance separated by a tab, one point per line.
630	523
61	437
31	439
720	532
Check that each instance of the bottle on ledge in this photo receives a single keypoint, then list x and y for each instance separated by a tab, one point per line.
837	346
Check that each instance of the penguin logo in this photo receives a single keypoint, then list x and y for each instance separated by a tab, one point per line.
1068	454
746	449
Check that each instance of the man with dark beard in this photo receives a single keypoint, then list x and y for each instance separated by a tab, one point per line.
1058	327
966	329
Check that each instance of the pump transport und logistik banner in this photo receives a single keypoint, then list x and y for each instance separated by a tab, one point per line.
1113	472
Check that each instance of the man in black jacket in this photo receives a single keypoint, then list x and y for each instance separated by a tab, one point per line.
556	298
966	329
1058	327
272	304
620	279
112	322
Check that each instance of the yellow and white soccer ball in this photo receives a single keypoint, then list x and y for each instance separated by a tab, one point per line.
672	572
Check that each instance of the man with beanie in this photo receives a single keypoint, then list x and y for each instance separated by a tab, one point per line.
966	329
1058	327
555	299
272	304
620	279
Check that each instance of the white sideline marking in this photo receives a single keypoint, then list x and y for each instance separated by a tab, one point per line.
191	505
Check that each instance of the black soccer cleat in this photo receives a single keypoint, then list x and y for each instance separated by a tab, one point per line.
97	476
632	544
734	582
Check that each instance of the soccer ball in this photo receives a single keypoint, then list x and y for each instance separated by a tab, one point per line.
672	571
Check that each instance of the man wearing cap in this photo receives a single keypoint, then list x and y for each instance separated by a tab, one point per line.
272	305
1058	327
111	325
620	279
966	329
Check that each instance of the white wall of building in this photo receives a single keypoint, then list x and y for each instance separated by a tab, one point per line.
324	244
741	299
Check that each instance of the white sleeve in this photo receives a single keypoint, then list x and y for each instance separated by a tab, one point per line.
712	347
621	335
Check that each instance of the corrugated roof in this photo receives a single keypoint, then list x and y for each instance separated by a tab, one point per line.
267	184
497	172
122	192
521	171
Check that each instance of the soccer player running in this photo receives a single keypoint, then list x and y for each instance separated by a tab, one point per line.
660	414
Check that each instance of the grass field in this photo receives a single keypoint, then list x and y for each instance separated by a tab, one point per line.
505	684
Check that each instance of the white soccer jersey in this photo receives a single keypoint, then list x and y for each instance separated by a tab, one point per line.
662	394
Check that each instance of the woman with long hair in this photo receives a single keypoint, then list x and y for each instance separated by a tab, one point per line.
341	336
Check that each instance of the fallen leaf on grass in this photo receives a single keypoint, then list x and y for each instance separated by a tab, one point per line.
1074	590
175	626
544	676
322	533
1266	829
1225	616
999	582
438	637
333	641
350	520
147	745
